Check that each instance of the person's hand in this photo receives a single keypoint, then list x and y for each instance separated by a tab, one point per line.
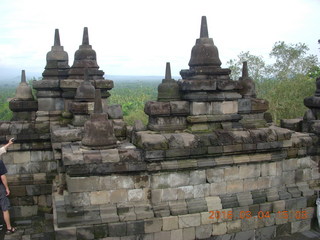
8	191
11	140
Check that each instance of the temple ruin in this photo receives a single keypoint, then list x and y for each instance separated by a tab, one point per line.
209	164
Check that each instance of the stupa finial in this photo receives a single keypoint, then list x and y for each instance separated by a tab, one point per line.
168	72
245	69
56	38
204	28
23	76
85	38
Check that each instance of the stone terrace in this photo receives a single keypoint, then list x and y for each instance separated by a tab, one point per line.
210	164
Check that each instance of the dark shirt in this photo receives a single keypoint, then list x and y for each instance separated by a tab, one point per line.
3	170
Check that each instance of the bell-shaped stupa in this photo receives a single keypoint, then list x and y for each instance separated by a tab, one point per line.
23	105
23	91
248	89
57	61
168	90
204	53
204	62
85	57
98	131
86	91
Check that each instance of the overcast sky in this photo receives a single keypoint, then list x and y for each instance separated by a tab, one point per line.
137	37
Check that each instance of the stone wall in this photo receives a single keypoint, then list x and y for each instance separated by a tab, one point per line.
31	167
190	186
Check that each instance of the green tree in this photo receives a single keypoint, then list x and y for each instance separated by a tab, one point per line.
286	82
291	60
256	66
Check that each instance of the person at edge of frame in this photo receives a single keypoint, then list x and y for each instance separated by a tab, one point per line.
5	191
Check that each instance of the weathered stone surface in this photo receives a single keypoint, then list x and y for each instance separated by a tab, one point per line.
219	228
115	111
190	220
203	231
170	223
153	108
151	141
153	225
179	108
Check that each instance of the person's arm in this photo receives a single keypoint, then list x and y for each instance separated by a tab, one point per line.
5	183
8	144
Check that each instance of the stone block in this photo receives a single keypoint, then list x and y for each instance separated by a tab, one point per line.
231	173
248	223
219	228
162	235
69	233
177	234
126	212
108	213
80	199
229	201
283	229
203	231
234	226
190	220
119	195
110	155
100	231
213	203
83	184
179	107
196	205
178	207
165	180
200	108
189	233
136	195
155	155
249	171
85	233
224	160
185	192
268	169
225	107
122	181
135	228
244	199
153	108
21	157
259	105
215	175
170	223
244	105
153	225
201	190
241	159
278	206
218	188
235	186
245	235
197	177
150	141
232	148
117	229
99	197
169	194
